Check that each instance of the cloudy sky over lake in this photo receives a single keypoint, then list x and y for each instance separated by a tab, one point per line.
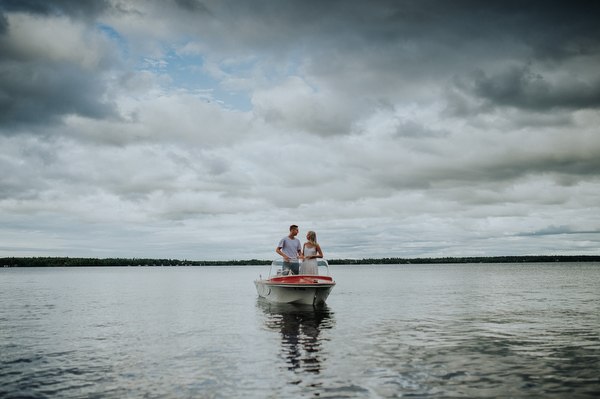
201	130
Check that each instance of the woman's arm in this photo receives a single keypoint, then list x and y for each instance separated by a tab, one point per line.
320	253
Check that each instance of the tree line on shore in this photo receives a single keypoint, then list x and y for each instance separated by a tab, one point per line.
82	262
476	259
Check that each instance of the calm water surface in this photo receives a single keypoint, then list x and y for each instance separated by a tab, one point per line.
468	330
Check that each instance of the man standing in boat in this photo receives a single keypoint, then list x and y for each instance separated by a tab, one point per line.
291	250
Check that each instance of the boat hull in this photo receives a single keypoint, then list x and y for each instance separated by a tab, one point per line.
303	289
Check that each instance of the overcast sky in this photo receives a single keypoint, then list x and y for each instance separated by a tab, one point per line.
201	130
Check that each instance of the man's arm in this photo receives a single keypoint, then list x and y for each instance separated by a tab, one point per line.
285	257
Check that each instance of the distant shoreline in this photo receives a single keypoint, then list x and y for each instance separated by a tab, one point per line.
87	262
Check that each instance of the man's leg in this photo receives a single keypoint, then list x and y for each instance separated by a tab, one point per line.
294	267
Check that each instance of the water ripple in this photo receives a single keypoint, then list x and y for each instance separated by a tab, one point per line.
451	331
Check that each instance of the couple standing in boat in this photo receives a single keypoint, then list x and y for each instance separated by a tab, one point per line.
289	247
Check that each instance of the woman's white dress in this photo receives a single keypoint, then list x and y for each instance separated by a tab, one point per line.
309	266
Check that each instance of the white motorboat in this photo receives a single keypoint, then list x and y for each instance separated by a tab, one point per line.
286	287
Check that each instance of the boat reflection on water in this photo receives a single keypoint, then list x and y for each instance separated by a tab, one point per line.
300	327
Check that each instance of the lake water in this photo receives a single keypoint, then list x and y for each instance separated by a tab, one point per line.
461	330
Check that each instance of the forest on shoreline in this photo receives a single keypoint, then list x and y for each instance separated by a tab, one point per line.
87	262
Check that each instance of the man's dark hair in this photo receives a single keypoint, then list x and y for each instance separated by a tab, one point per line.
292	227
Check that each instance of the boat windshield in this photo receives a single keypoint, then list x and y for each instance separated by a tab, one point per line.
277	268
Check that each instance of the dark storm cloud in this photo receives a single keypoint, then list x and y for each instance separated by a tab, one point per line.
71	8
566	170
553	230
42	82
553	29
549	29
33	94
545	30
192	5
520	87
3	23
412	129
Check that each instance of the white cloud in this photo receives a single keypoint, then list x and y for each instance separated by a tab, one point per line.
294	105
56	39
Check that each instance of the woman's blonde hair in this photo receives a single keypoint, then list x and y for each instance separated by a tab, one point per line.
312	237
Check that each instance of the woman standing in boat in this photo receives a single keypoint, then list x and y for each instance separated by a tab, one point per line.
311	251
